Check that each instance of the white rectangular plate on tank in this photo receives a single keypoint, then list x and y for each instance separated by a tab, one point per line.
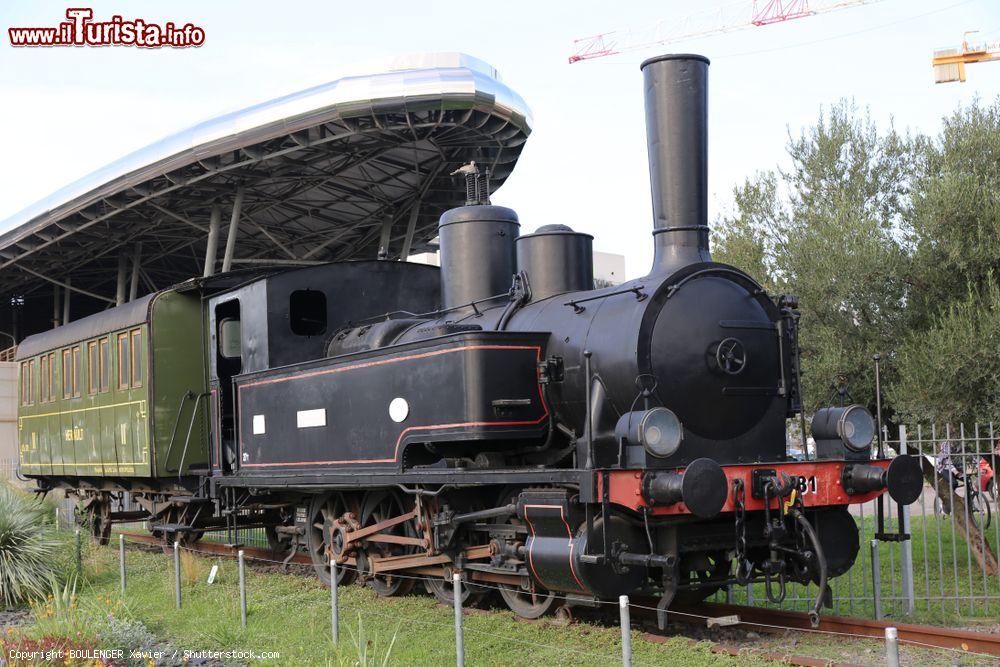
259	425
311	418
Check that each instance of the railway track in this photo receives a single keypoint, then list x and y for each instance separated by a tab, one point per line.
771	620
750	618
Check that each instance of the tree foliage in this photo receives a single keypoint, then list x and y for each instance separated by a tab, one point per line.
889	240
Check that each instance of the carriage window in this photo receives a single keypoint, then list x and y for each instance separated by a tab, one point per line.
27	384
136	357
307	312
92	368
76	372
50	380
105	364
43	385
123	361
67	373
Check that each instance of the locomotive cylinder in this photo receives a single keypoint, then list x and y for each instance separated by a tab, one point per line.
557	260
478	258
676	98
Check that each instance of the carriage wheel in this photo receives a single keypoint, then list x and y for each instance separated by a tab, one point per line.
532	603
380	506
99	519
321	513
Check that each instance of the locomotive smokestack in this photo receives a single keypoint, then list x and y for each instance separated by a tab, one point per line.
676	94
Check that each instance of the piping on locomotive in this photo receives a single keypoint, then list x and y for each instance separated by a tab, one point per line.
499	417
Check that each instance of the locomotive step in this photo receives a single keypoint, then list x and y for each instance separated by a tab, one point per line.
131	515
174	528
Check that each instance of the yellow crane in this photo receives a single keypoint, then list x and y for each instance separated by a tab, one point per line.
949	64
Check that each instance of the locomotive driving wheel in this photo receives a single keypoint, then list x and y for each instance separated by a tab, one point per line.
323	513
444	590
381	506
529	600
703	570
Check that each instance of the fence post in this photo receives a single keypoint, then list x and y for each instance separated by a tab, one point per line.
334	608
79	554
121	560
876	581
626	631
57	517
891	647
243	589
906	548
177	573
456	580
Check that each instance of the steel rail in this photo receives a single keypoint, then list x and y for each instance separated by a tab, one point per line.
768	620
221	549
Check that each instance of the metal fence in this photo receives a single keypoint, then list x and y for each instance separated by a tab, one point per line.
940	570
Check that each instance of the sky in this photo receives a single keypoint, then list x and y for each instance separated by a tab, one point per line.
65	112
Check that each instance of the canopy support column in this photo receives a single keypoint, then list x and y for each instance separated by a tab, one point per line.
133	290
411	229
66	295
120	284
56	311
234	225
213	241
383	243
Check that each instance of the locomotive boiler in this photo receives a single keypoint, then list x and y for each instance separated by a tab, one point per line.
504	419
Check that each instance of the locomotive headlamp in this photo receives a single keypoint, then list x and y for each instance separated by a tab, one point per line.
658	430
853	425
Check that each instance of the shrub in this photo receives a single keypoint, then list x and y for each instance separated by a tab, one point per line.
128	635
29	549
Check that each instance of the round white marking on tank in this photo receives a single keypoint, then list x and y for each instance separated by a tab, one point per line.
398	409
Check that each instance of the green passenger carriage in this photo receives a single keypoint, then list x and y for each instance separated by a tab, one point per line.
109	402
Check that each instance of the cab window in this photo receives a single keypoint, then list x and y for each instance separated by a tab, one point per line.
307	312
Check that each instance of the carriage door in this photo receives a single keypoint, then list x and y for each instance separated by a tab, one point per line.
228	355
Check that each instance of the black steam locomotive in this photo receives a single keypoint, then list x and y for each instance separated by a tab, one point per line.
502	418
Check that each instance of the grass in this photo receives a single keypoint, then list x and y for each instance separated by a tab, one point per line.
289	623
289	618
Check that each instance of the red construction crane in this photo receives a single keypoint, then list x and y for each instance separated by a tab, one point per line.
716	21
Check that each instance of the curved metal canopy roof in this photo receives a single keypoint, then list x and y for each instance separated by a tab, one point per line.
332	172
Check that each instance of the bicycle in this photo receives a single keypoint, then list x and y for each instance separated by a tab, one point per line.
978	502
